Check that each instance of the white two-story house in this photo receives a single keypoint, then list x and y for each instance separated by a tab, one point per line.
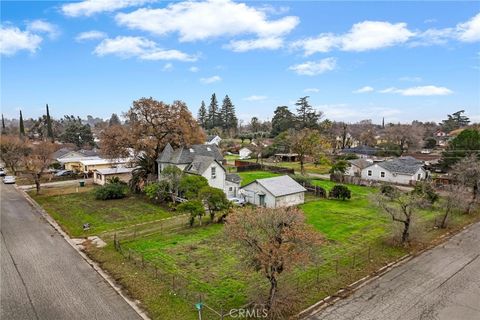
204	160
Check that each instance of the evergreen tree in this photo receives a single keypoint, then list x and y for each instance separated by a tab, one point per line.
307	117
383	123
114	120
202	116
4	130
49	126
22	127
455	121
229	118
75	132
282	120
214	119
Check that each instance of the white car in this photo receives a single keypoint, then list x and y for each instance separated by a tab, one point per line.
237	201
3	173
9	179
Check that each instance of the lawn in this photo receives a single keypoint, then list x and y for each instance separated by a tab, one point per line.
74	209
355	245
250	176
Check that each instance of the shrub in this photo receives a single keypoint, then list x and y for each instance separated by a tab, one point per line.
117	181
303	180
426	191
157	190
190	185
111	191
321	192
195	208
388	190
340	192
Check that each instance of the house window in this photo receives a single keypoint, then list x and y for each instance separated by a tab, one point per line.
419	176
214	173
230	189
369	173
382	174
261	199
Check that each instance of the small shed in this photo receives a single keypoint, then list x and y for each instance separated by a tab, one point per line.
101	176
274	192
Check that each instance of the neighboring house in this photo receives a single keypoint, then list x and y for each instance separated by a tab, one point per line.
274	192
74	163
215	139
101	176
90	165
362	151
65	153
403	170
204	160
356	167
244	153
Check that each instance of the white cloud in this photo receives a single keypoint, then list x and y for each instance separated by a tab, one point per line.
363	36
40	26
313	90
167	67
211	79
90	35
91	7
207	19
194	69
419	91
255	98
410	79
126	47
254	44
364	89
469	31
370	35
12	40
312	68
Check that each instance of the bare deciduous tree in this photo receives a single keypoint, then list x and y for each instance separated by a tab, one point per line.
401	207
273	241
38	160
12	150
455	200
306	142
114	142
467	173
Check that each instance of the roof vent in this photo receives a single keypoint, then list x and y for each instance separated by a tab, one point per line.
208	149
191	150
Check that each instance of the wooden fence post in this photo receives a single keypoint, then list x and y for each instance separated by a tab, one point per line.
173	282
336	266
353	264
369	252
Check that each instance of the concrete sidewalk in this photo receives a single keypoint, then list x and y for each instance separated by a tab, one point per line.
66	183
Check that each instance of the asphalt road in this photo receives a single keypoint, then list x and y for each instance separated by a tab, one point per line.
443	283
42	276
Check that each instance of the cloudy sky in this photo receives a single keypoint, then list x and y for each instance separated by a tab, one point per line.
356	60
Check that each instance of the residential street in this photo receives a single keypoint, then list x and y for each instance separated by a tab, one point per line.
443	283
42	276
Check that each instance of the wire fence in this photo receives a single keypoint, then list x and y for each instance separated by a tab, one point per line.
330	272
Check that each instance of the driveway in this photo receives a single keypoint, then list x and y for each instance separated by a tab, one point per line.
443	283
42	276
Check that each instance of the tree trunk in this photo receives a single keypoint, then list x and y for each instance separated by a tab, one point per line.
474	199
406	228
37	183
302	169
273	291
443	225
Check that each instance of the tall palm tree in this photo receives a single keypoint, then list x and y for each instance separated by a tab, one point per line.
143	173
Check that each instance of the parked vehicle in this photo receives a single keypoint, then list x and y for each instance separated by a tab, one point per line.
3	173
64	173
237	201
9	180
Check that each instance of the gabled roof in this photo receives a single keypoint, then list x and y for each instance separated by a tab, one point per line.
366	150
402	165
184	155
211	137
280	186
99	161
199	164
360	163
233	177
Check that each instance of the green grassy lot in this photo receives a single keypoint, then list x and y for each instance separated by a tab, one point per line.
250	176
356	243
74	209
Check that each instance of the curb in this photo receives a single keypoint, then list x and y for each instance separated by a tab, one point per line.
92	263
351	288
